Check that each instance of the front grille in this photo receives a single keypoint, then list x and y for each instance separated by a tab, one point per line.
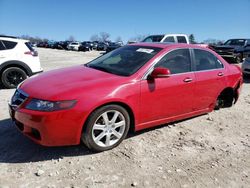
225	53
18	98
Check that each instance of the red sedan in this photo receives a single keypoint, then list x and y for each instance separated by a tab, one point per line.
134	87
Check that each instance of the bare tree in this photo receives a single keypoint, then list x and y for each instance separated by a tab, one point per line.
71	38
118	39
104	36
95	37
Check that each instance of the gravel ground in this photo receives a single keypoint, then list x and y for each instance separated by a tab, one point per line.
212	150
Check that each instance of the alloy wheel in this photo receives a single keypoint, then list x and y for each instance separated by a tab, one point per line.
108	128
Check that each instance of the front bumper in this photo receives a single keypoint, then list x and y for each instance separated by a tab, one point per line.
48	128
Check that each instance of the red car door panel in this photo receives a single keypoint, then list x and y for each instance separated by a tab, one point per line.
208	86
167	97
210	79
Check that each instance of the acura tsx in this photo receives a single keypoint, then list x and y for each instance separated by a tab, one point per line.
131	88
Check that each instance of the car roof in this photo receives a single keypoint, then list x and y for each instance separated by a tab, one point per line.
238	39
167	45
13	39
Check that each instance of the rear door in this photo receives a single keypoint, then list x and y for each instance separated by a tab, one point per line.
210	78
169	97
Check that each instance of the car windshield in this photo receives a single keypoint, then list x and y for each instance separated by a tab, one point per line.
236	42
153	38
124	61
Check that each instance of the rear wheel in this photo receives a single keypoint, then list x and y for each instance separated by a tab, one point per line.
106	127
13	76
225	99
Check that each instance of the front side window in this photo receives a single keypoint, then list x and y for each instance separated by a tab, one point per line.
205	60
124	61
9	44
177	61
169	39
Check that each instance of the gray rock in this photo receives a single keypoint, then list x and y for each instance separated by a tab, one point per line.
39	172
134	184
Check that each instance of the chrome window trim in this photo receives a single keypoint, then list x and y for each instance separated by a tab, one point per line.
207	52
145	75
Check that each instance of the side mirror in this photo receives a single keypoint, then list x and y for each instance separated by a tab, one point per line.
160	72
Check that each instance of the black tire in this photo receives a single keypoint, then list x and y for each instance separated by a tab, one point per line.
12	76
87	137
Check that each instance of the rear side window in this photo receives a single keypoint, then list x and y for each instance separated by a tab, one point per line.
28	44
205	60
177	61
181	39
2	47
9	44
169	39
153	38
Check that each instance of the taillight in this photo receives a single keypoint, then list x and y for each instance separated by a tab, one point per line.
33	53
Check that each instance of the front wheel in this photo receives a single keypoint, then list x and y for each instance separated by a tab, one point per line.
239	58
13	76
105	128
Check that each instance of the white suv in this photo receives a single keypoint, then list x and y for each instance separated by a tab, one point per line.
171	38
18	60
74	46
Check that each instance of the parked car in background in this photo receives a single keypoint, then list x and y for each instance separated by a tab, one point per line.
42	44
113	45
95	44
74	46
18	60
170	38
234	50
85	46
102	46
63	45
131	88
246	66
50	43
55	45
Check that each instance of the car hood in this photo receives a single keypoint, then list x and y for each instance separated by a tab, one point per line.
69	83
227	47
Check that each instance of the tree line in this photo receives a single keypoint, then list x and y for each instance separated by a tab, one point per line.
105	36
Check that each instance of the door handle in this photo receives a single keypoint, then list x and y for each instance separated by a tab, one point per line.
220	74
188	80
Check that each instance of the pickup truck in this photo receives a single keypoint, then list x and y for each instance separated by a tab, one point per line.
171	38
233	50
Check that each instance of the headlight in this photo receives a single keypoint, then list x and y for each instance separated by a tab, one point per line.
49	106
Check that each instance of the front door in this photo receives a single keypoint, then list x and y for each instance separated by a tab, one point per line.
163	98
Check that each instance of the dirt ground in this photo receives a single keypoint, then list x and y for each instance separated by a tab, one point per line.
212	150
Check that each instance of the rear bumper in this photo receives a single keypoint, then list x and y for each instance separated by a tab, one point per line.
48	128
